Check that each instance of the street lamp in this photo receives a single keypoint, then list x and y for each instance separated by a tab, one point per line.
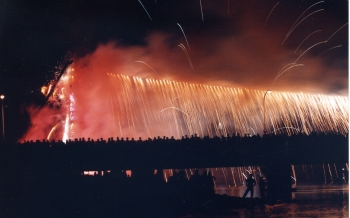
3	116
268	91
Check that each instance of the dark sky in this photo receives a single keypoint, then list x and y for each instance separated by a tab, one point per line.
236	43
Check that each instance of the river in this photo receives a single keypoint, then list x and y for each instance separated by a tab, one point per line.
327	200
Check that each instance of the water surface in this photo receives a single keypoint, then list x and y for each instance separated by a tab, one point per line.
309	201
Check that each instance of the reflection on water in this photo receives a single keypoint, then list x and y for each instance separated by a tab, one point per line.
236	191
309	201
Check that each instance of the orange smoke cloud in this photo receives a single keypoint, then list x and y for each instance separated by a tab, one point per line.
44	120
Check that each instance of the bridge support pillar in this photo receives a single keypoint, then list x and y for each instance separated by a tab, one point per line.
279	181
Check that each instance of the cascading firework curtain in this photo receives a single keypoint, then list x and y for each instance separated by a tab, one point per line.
150	108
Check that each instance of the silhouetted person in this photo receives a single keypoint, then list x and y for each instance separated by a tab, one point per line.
172	181
262	187
204	179
195	178
205	186
182	187
182	182
159	178
195	183
176	187
210	184
250	183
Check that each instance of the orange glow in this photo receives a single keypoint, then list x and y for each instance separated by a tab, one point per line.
90	173
100	99
128	173
44	90
135	107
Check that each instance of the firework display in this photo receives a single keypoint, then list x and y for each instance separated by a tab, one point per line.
135	107
166	108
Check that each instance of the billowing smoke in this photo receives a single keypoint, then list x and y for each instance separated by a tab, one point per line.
95	104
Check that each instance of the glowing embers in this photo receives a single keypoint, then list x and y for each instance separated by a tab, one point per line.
95	173
127	173
90	173
45	90
53	131
150	108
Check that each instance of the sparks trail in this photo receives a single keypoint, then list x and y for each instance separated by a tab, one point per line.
306	39
145	10
267	19
300	22
336	31
148	66
200	3
252	129
309	49
228	6
184	36
283	68
175	109
294	64
295	25
52	130
281	72
188	56
338	46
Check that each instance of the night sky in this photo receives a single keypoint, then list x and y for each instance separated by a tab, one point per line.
236	43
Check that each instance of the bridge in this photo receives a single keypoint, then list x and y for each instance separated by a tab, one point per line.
273	153
189	152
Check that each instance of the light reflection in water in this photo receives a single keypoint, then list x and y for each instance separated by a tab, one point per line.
325	200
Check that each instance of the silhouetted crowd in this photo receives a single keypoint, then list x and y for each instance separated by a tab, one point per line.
230	150
196	188
194	139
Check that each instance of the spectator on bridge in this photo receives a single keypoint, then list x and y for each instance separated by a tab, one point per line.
210	184
204	176
195	182
173	179
159	178
250	183
182	182
207	183
195	177
262	187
